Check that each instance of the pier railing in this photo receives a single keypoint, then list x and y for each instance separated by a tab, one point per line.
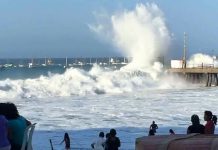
202	66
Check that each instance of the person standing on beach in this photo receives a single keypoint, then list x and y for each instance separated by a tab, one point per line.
211	122
196	127
153	127
113	142
67	141
99	144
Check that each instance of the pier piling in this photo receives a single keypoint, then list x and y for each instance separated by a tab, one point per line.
207	75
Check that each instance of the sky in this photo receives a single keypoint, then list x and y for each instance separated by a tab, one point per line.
60	28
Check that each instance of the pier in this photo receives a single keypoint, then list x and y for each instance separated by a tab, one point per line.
207	75
196	73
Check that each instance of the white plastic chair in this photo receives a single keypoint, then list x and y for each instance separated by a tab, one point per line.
27	138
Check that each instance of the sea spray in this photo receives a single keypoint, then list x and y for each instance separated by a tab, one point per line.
140	33
197	60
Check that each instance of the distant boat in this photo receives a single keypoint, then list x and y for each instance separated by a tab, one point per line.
66	63
124	61
8	65
49	61
90	61
80	63
30	65
45	64
20	65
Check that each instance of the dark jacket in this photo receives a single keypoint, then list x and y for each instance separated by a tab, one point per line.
112	143
198	128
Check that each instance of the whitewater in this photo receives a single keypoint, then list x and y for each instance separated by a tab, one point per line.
85	102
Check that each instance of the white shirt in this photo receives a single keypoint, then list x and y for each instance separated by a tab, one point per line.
98	144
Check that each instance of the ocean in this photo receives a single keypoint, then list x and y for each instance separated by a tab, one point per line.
86	99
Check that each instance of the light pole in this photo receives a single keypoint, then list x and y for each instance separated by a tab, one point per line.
214	57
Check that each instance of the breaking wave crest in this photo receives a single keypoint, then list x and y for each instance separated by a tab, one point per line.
79	82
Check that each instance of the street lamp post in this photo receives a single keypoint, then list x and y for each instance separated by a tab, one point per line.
214	58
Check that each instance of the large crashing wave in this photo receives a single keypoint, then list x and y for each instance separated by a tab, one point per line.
79	82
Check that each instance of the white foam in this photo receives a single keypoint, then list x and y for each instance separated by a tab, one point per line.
199	59
79	82
84	116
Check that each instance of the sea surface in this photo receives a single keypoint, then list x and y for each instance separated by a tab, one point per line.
84	102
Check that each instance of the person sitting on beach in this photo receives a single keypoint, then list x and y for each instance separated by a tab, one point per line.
67	141
196	127
153	126
113	142
16	124
4	142
171	132
211	122
99	144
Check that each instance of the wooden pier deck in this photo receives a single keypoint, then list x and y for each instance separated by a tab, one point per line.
209	75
